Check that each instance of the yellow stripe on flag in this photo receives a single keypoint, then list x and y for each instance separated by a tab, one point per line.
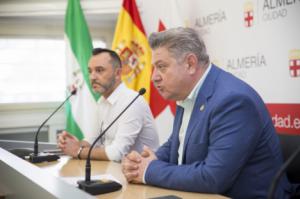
133	47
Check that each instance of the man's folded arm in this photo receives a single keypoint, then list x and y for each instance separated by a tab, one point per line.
234	131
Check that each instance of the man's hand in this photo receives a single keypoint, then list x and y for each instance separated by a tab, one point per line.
68	143
134	164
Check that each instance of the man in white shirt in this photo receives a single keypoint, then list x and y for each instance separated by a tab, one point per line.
132	131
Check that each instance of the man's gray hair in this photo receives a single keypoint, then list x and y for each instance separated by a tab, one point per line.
180	41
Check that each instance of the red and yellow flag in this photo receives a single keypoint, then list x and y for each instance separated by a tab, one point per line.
130	42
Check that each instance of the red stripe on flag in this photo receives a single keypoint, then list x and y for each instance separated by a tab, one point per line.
161	26
285	117
131	8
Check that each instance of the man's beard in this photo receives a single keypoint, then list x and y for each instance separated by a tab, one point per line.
105	87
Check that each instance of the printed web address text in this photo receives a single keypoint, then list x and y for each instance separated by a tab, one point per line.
285	117
286	122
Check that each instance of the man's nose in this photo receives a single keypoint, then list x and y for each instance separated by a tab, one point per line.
92	75
155	75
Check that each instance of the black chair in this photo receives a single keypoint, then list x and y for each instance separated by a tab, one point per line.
289	144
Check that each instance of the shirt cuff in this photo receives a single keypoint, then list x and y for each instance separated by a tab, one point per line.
112	153
144	174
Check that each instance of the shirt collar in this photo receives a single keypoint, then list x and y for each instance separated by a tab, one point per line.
113	97
193	94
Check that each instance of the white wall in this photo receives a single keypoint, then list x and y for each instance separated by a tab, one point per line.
260	54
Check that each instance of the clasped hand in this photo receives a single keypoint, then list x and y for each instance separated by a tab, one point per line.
134	164
68	143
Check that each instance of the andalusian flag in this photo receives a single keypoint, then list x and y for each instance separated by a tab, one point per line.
131	43
82	117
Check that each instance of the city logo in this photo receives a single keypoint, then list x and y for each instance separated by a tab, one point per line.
276	9
211	19
240	65
248	14
247	62
203	23
294	63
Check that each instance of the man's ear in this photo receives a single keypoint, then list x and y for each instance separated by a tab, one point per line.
191	61
118	73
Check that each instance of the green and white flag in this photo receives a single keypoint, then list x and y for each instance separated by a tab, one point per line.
81	109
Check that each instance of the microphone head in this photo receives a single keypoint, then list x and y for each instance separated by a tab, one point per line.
142	91
74	91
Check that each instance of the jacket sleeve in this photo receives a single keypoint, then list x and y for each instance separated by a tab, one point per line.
234	127
163	152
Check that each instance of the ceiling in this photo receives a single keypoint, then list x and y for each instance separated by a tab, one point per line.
99	13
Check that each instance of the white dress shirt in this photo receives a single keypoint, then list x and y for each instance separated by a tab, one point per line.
134	129
188	105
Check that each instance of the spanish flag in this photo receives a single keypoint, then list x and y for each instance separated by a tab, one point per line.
130	42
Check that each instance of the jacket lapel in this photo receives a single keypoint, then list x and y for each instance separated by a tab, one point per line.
199	108
175	140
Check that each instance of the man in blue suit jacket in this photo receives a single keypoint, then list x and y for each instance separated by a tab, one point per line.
223	139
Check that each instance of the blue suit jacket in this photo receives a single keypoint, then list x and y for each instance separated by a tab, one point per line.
230	148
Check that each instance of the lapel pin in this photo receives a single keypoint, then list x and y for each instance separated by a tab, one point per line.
202	107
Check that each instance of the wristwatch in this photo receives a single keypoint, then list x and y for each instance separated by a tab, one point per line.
79	152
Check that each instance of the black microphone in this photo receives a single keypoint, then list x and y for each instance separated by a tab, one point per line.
96	187
280	172
37	157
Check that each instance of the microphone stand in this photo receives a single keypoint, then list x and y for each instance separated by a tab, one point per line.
96	187
37	157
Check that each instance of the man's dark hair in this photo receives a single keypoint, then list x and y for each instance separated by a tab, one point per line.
115	59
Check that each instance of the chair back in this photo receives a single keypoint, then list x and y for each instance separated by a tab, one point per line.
289	144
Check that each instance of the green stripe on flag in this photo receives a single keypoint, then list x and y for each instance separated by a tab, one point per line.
79	37
71	124
80	45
